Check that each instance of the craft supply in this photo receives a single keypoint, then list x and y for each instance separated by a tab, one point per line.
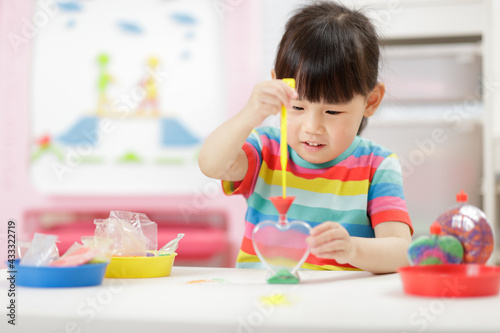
469	224
283	276
284	142
281	246
60	277
42	251
131	234
435	249
140	266
170	247
441	281
275	299
79	256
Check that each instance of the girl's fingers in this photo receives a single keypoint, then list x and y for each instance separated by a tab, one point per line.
280	93
269	109
330	240
278	90
270	100
293	93
333	246
289	92
325	238
325	233
325	226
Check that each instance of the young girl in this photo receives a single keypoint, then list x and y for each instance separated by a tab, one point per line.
347	188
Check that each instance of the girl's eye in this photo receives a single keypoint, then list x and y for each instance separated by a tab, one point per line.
333	112
298	108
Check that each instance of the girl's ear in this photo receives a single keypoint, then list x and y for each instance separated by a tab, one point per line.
273	74
374	99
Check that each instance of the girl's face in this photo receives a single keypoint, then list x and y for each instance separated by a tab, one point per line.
320	132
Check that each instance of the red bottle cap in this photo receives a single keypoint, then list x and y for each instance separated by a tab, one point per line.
435	228
462	196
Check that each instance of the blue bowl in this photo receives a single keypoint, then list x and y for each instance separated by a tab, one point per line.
60	277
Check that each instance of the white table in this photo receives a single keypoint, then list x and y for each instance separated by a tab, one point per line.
231	300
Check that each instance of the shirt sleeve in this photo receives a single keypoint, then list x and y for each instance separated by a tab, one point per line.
386	200
252	148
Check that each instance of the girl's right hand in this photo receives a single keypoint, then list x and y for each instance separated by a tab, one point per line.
266	99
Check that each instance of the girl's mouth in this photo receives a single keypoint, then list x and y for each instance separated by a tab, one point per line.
312	146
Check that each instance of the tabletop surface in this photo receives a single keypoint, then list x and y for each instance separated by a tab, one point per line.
202	299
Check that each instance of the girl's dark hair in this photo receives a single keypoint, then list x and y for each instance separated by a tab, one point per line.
331	51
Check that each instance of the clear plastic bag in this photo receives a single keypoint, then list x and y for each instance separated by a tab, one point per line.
131	234
101	226
22	248
42	251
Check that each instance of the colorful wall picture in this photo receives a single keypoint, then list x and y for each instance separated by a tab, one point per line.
124	93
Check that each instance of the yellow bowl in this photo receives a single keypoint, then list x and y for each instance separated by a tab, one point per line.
140	267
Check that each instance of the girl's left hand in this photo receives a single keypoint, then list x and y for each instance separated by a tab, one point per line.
330	240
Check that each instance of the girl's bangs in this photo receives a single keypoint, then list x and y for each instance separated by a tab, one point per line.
333	79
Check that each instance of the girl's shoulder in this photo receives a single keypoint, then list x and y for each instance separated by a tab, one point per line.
369	147
269	131
265	137
266	134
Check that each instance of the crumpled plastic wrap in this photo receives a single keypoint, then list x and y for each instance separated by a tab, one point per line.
42	251
131	234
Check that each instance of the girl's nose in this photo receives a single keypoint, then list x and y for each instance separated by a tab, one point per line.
312	123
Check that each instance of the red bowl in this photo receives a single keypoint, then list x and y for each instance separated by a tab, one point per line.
464	280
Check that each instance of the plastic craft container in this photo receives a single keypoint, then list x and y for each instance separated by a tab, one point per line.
140	267
451	280
60	277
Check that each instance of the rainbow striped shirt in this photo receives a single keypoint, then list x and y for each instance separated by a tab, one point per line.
359	189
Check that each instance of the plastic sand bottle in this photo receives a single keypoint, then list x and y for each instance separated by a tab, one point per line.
469	224
435	249
281	245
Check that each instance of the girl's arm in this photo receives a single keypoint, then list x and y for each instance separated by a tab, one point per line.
383	254
222	156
